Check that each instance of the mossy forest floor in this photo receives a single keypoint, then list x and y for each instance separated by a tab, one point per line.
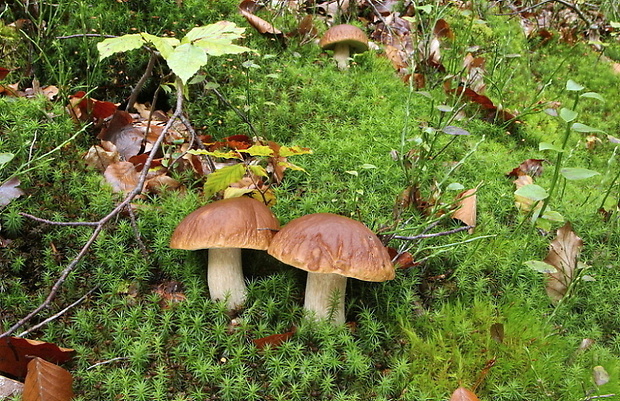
468	313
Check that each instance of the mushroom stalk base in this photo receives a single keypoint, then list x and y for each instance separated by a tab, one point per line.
325	296
225	277
341	55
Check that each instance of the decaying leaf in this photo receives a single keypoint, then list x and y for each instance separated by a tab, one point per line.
171	292
47	382
531	167
497	332
466	211
601	377
10	387
15	353
9	190
463	394
247	9
274	340
99	158
122	176
563	255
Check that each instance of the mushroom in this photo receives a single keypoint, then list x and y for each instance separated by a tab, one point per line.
331	248
224	227
344	40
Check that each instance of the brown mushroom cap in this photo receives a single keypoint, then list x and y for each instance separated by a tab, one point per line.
230	223
329	243
345	34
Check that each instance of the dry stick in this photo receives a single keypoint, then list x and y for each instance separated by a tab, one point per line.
57	315
142	81
136	232
60	223
100	224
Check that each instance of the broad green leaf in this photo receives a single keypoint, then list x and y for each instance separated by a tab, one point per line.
585	128
186	60
121	44
231	192
552	215
286	151
549	146
258	150
533	192
222	178
5	158
573	86
455	186
258	170
578	173
165	46
231	154
220	46
368	166
221	29
568	115
593	95
540	266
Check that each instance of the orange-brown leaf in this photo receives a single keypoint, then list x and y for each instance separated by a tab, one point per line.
15	353
467	208
274	340
531	167
47	382
463	394
122	176
563	255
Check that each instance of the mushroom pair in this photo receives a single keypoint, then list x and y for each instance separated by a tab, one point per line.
344	40
331	248
224	227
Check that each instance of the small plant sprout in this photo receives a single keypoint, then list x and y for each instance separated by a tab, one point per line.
224	227
344	40
331	248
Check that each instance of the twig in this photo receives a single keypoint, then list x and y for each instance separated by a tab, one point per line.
130	196
136	232
236	110
60	223
119	358
421	236
596	397
87	35
147	74
57	315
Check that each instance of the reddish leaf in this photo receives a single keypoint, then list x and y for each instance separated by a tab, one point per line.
274	340
467	208
93	108
47	382
15	353
171	293
463	394
442	29
403	261
239	142
3	73
9	191
531	167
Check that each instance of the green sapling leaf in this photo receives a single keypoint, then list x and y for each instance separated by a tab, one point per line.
121	44
222	178
585	128
540	266
533	192
186	60
455	186
258	150
593	95
568	115
549	146
258	170
165	46
573	86
5	158
578	173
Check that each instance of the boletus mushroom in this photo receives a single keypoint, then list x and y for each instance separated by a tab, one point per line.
331	248
225	227
344	40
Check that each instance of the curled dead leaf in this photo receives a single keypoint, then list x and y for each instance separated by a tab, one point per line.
466	211
122	176
563	255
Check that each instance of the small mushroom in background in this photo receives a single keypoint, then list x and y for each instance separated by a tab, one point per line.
331	248
344	40
224	227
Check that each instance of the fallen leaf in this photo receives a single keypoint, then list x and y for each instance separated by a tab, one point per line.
15	353
9	191
3	73
497	332
122	176
531	167
10	388
442	29
47	382
601	376
563	255
274	340
466	211
99	158
463	394
247	9
402	260
171	293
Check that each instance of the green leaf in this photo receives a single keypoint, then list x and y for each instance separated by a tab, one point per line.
568	115
222	178
221	29
533	192
120	44
578	173
585	128
186	60
549	146
552	215
221	46
291	166
368	166
5	158
165	46
258	170
593	95
540	266
231	154
286	151
455	186
258	150
573	86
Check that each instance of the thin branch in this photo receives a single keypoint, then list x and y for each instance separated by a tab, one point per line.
147	74
60	223
119	358
130	196
87	35
57	315
236	110
136	232
421	236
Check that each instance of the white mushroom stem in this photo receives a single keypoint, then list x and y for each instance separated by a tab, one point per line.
341	55
225	276
325	296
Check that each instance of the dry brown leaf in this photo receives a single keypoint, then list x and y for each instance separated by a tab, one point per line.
274	340
161	183
122	176
47	382
531	167
247	8
10	387
9	191
563	255
15	353
463	394
467	208
100	159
